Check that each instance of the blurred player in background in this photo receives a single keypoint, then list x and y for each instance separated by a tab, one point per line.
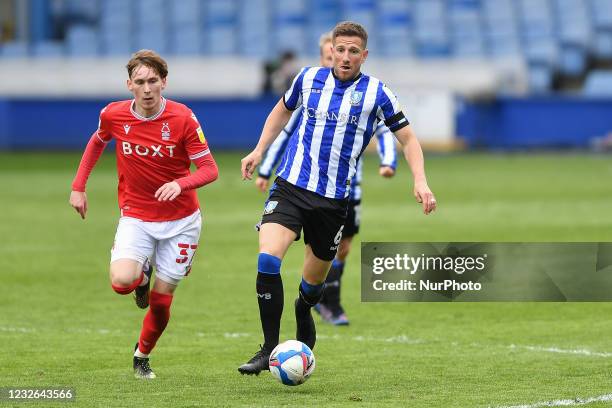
329	307
341	107
156	142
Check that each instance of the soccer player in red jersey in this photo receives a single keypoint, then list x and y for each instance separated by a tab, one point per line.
156	142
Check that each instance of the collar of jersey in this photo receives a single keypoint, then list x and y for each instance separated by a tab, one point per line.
348	82
162	106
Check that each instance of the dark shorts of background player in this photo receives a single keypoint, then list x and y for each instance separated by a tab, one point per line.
351	226
321	218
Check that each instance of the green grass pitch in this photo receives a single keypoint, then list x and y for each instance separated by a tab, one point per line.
62	325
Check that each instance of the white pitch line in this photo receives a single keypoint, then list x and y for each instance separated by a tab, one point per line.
16	329
564	402
583	352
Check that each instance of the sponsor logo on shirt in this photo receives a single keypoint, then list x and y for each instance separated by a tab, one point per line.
153	150
341	118
126	129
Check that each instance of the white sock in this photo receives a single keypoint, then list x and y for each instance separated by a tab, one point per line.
145	280
139	354
145	268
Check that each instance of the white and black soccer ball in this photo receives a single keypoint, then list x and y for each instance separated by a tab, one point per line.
292	362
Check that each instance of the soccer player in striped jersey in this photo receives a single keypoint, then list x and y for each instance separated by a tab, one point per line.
156	142
340	109
329	307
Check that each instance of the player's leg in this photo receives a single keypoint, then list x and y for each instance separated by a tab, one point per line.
153	326
131	250
322	235
280	226
309	294
176	246
274	240
333	283
330	307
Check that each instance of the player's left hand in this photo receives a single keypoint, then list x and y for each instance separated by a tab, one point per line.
386	171
249	163
168	191
423	195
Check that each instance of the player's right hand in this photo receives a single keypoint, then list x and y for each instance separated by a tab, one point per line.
78	201
249	163
261	184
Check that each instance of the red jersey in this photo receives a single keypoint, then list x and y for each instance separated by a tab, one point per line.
151	152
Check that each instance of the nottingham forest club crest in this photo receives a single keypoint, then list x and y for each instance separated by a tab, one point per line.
165	131
356	97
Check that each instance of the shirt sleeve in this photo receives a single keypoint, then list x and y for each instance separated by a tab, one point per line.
277	148
104	125
386	146
92	153
195	141
293	96
389	109
199	153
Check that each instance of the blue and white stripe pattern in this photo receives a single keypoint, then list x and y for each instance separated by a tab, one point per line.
386	152
277	148
337	122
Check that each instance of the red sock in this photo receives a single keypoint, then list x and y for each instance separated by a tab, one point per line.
155	321
125	290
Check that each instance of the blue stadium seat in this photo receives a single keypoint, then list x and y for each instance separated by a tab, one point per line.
501	28
221	27
290	17
82	41
254	21
83	10
322	17
14	49
395	33
602	43
540	78
573	22
185	41
598	83
116	27
465	24
50	49
572	59
601	11
431	33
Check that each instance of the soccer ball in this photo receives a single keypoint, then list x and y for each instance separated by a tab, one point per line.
292	362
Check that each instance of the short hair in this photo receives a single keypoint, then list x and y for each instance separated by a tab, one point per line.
324	39
150	59
351	29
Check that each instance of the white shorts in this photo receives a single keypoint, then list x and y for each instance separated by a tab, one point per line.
170	245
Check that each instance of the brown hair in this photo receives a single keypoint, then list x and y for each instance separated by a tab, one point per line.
351	29
150	59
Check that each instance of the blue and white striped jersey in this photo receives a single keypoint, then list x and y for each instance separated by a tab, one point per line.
385	148
336	124
386	152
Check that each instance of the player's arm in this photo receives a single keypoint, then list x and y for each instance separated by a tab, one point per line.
413	154
386	151
276	121
207	171
91	155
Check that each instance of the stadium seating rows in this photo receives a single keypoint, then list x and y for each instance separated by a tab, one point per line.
550	35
